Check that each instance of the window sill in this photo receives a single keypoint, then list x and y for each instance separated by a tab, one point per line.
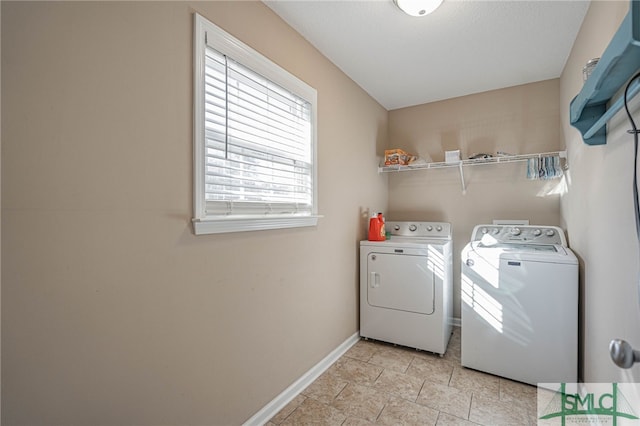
225	225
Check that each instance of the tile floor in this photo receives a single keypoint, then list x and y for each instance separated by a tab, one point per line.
379	383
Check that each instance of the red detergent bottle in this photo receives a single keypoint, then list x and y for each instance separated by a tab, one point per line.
376	228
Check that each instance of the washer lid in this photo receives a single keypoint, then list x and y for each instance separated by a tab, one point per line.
546	253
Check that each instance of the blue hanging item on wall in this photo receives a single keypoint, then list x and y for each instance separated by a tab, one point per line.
620	60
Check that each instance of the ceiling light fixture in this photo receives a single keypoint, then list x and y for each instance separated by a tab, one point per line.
418	7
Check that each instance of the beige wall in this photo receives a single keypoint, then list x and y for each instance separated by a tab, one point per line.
517	120
598	211
113	312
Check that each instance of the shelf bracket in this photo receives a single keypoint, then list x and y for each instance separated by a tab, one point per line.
462	182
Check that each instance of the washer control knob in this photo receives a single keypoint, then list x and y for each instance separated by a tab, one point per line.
550	233
397	227
515	231
429	228
484	230
438	228
537	232
496	231
412	228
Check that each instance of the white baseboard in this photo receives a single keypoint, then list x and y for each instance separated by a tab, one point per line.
279	402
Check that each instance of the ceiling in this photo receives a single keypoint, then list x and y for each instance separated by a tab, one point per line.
464	47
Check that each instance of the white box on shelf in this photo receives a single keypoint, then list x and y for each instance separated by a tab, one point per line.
452	156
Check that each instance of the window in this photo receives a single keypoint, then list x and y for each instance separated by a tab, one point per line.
254	139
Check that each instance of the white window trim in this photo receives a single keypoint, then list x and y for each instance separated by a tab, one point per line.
227	44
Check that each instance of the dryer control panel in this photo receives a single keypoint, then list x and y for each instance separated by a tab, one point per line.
528	234
419	229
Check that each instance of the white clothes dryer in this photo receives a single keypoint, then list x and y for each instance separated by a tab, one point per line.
406	286
519	296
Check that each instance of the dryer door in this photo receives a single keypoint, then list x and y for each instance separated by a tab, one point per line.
400	281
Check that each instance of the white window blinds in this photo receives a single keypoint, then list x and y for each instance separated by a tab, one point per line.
258	143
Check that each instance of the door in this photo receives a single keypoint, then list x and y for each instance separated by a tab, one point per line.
402	282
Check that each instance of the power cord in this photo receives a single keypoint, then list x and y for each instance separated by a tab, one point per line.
634	131
622	353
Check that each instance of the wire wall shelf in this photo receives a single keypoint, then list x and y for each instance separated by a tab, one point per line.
471	162
474	162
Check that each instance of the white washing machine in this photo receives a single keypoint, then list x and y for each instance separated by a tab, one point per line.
406	286
520	304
